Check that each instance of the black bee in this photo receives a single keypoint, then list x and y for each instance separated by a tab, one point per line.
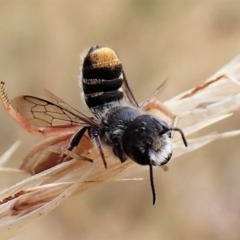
123	126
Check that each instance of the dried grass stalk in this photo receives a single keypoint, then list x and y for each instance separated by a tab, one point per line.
202	106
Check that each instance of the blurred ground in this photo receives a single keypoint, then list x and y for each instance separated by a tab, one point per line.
186	41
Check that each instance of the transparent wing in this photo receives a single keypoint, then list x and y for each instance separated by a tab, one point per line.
128	92
154	94
43	113
40	116
130	96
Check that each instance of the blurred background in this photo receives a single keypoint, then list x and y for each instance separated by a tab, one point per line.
184	41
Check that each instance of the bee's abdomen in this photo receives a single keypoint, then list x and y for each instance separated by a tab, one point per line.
101	79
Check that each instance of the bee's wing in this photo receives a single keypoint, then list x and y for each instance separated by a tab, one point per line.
128	92
43	113
74	112
40	116
154	94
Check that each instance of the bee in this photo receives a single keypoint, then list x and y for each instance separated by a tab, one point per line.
119	121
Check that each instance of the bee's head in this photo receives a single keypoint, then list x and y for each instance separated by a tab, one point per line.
147	141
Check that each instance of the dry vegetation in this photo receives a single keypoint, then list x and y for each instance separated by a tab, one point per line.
186	42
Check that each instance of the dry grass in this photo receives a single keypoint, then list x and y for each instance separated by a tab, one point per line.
37	195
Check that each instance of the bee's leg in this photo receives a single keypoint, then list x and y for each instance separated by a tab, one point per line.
118	152
73	143
77	138
94	135
163	109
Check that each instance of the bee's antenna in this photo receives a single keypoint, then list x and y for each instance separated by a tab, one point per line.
152	182
182	135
